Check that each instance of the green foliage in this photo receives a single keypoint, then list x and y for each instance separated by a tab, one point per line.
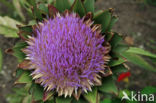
108	85
1	59
37	92
92	96
63	100
79	8
104	18
149	90
150	2
106	101
89	5
20	96
18	9
138	60
17	51
24	78
62	5
140	51
8	27
119	69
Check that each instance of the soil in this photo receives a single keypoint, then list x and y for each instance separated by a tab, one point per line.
136	20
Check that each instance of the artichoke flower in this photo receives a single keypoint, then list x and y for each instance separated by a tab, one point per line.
66	54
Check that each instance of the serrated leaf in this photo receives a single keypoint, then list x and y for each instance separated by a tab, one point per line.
138	60
89	5
62	5
108	85
17	51
1	59
63	100
24	78
104	18
91	96
149	90
8	26
78	8
141	52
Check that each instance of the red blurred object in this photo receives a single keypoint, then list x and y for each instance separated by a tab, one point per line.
123	76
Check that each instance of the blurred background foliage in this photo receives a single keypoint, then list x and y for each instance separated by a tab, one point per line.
14	12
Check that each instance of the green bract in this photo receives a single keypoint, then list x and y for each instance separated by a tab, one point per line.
120	51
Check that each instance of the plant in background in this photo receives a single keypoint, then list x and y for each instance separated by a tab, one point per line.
69	54
150	2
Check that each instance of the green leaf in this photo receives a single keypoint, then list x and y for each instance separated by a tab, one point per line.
81	100
106	101
17	51
25	4
115	40
108	85
150	2
71	2
62	5
104	18
19	72
63	100
27	99
43	8
26	28
89	5
32	22
8	27
1	60
138	60
119	69
78	8
114	19
18	8
91	96
149	90
119	61
36	11
140	51
24	78
37	92
120	48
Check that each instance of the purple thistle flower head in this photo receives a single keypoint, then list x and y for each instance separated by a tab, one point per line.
67	54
